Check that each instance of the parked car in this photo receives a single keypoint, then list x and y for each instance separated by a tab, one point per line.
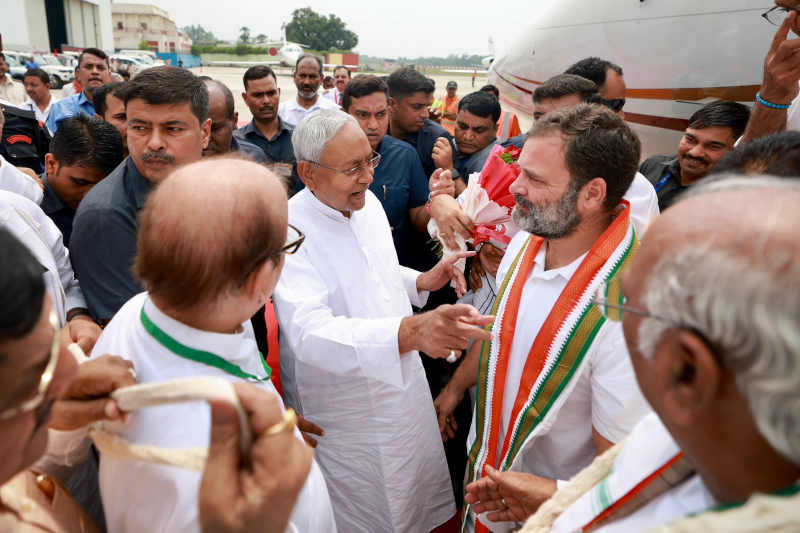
133	65
59	74
16	70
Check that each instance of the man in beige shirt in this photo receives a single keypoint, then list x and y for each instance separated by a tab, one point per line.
11	91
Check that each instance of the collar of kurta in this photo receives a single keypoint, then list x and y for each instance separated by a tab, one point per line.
186	342
326	210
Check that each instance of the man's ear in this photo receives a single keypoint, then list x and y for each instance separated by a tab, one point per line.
235	120
593	195
50	165
392	104
205	132
694	378
306	170
259	285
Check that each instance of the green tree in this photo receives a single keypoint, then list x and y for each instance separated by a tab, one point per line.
260	38
244	35
144	45
199	34
319	32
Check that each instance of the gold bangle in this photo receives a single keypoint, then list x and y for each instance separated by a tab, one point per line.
286	425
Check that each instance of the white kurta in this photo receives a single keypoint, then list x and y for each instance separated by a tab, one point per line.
30	225
292	113
339	301
139	496
648	447
644	203
14	180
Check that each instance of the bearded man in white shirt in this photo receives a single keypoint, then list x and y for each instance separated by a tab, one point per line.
710	309
349	344
555	385
211	245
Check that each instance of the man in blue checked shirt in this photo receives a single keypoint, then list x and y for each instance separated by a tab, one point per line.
92	72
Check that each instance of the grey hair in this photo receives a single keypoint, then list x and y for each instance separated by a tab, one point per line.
316	130
734	182
748	310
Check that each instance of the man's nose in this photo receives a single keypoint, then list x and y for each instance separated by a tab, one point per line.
156	141
516	186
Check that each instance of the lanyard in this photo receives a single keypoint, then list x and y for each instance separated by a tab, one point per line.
198	356
663	181
782	493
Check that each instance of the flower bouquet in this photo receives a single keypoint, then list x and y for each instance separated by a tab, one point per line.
488	203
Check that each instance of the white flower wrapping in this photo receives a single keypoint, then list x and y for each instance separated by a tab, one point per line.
475	203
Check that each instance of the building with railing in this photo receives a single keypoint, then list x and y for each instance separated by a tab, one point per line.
134	23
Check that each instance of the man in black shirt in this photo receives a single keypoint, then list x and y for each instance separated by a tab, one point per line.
267	131
168	126
410	97
711	134
83	152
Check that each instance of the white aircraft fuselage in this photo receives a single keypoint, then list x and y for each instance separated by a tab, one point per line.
677	55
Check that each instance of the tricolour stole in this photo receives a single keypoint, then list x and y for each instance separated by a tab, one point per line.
557	354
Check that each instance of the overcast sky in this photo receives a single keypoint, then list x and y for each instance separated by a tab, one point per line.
407	28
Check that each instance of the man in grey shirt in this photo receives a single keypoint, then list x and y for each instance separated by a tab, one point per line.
168	126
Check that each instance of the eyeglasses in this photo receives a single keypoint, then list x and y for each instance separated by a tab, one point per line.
776	15
615	104
44	381
612	303
356	170
294	239
292	245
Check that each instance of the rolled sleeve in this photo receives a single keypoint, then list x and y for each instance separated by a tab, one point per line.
617	402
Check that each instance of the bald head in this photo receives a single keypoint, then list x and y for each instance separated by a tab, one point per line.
208	228
718	275
223	117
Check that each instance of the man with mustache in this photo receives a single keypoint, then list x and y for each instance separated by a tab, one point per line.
92	72
560	386
167	127
712	133
267	131
307	78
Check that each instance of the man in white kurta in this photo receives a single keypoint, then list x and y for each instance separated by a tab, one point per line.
555	384
342	302
139	496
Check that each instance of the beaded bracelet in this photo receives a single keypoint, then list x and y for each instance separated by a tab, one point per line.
769	104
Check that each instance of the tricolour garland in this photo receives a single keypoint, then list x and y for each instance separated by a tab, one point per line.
557	352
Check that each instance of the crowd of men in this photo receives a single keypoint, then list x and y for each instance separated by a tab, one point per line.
628	361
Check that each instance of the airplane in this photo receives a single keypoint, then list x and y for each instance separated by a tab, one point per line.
676	55
487	61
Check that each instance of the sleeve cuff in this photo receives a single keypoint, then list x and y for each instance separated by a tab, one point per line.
417	298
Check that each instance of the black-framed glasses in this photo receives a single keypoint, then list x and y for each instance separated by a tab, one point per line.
372	162
294	238
776	15
45	380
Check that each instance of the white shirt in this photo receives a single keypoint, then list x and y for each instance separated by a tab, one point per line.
340	301
605	397
41	116
14	180
644	203
292	113
648	447
28	223
140	496
333	95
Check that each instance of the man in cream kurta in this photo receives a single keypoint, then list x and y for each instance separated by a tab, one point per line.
146	497
347	362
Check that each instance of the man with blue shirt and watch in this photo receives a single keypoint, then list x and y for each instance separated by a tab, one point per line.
92	72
